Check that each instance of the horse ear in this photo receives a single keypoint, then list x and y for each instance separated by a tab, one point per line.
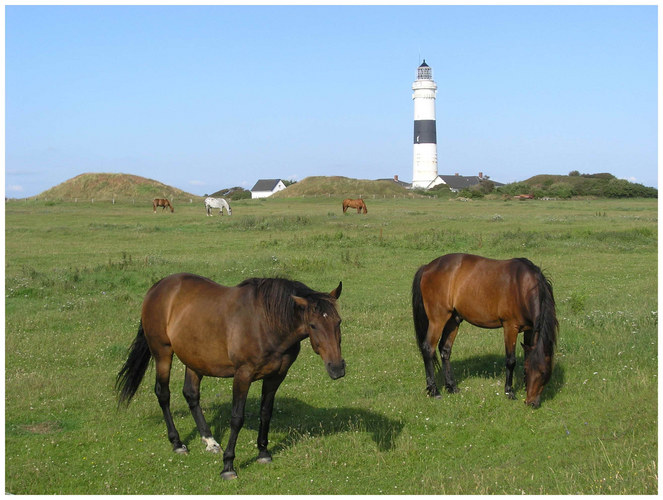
300	301
337	293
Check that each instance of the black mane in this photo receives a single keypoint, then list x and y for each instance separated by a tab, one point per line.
547	324
281	312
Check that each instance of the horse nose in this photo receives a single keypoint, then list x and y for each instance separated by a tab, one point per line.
336	370
535	403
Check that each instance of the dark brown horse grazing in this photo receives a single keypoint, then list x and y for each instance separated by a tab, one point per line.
512	294
163	203
248	332
358	204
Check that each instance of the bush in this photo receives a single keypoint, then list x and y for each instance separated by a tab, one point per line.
471	193
620	188
599	185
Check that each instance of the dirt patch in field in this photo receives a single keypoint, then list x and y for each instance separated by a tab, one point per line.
42	427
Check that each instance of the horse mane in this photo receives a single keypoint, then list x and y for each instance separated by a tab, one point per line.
280	309
546	323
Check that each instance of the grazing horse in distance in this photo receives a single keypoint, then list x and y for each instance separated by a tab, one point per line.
512	294
163	203
357	203
248	332
219	203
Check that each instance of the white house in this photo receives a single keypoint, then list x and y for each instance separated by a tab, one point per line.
267	187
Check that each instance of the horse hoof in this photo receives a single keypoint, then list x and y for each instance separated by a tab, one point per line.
211	445
511	395
264	460
228	475
182	450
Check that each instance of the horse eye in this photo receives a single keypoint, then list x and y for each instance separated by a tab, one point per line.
312	326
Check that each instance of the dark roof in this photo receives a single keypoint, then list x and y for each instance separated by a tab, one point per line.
265	185
399	182
461	181
424	65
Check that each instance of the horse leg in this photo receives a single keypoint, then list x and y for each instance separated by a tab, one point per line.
191	393
241	384
447	342
161	389
429	356
528	341
510	337
269	388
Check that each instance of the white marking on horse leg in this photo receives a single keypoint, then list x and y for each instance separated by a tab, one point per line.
211	445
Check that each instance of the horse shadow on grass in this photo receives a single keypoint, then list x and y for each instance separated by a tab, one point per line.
492	366
293	420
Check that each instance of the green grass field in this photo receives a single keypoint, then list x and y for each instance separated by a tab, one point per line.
76	275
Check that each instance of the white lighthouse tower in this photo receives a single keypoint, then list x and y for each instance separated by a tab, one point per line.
424	164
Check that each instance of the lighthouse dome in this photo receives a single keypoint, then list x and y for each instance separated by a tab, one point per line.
424	71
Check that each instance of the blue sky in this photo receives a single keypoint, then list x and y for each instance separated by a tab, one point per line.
208	97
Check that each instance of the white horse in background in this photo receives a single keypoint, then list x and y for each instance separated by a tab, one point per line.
219	203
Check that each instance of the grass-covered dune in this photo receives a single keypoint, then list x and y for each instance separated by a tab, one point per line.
343	187
106	187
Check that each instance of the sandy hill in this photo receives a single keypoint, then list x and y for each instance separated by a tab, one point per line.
113	186
340	187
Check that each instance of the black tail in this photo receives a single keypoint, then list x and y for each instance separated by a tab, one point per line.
421	319
134	368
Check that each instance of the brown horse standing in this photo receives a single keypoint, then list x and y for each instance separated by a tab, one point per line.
358	204
163	203
248	332
512	294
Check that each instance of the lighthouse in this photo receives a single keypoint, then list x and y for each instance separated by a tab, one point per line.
424	162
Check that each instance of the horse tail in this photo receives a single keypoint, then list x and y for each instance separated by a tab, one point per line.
421	319
133	371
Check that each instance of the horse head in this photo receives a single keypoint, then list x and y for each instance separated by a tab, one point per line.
538	369
322	325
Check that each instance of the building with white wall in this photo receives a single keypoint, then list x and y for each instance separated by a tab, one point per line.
267	187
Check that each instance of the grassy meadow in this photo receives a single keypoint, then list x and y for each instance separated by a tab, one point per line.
76	274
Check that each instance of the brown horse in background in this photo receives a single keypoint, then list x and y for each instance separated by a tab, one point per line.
248	332
163	203
512	294
357	203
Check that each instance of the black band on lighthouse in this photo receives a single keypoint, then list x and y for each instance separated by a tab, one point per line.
425	132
